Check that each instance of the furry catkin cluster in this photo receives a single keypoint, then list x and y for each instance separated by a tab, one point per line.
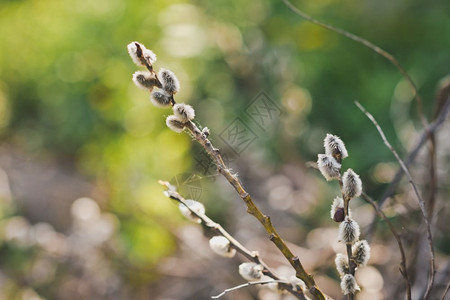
330	166
162	86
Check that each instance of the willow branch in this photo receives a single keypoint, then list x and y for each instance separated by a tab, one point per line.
254	210
416	192
372	47
433	127
217	228
402	267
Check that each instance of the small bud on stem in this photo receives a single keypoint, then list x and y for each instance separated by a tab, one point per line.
183	112
351	185
221	245
196	206
169	81
335	147
174	124
251	271
349	285
348	231
328	166
361	252
341	262
144	80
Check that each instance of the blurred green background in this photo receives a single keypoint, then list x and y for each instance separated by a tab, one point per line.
73	125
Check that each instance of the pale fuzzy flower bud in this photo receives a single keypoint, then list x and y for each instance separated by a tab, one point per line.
169	81
251	271
341	262
328	166
348	231
349	285
351	184
335	147
184	112
174	124
139	54
361	252
221	245
160	99
205	132
196	206
337	210
297	283
149	56
144	80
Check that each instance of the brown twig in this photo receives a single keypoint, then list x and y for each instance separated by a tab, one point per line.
416	192
208	222
255	211
432	128
402	268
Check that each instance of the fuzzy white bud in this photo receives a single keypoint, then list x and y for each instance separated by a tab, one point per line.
348	231
174	124
297	283
196	206
349	285
139	54
337	210
183	112
361	252
335	147
328	166
169	81
341	262
251	271
221	245
205	131
144	80
160	99
351	184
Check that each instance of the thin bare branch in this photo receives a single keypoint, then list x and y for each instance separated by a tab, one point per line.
369	45
446	291
402	267
432	128
419	197
208	222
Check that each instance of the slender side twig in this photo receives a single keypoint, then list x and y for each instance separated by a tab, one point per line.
433	127
402	267
250	255
446	291
419	198
369	45
246	285
255	211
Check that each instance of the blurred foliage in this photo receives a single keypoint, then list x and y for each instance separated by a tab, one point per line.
66	93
